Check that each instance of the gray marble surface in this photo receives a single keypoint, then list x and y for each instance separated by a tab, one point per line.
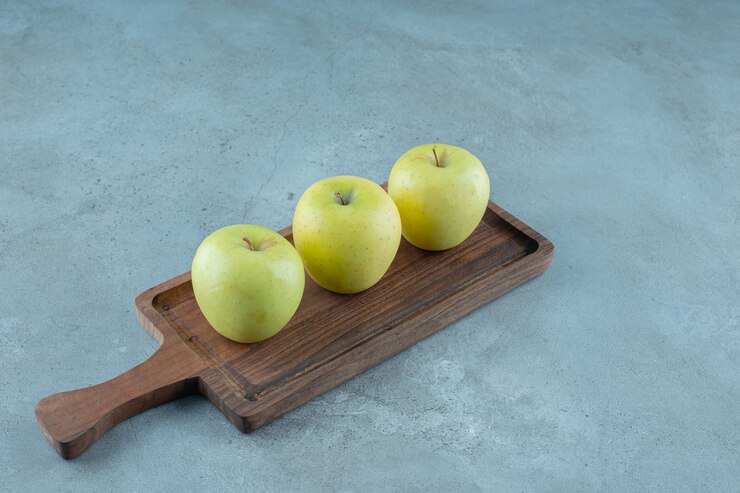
130	130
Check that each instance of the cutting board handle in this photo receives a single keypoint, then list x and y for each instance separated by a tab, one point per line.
72	421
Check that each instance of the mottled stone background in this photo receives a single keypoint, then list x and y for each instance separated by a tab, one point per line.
130	130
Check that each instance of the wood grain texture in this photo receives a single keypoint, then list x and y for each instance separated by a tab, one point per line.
331	338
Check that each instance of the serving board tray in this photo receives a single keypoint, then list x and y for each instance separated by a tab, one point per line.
331	338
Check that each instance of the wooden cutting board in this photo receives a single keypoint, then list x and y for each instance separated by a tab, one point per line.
331	338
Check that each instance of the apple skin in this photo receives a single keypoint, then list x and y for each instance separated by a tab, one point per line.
440	205
247	292
346	248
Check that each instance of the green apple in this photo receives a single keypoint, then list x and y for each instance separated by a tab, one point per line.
347	230
248	281
441	192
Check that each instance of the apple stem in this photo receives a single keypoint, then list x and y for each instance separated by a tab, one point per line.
249	244
434	151
341	199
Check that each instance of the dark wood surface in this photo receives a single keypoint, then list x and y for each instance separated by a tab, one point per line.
331	338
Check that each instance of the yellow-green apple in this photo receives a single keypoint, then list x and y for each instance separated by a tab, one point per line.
347	230
441	192
248	281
